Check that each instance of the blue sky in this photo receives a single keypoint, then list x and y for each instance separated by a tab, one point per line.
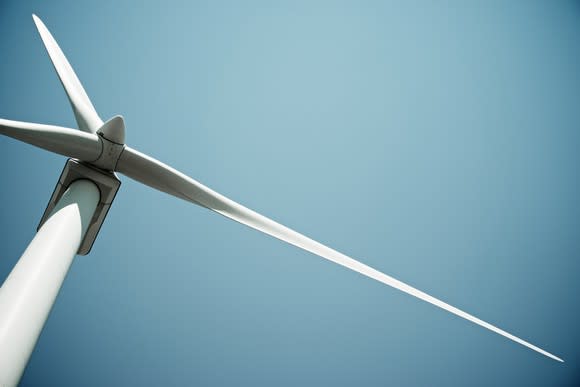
435	142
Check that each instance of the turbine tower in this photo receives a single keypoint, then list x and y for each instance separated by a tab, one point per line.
82	197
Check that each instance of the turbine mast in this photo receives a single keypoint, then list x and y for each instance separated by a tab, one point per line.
27	295
79	204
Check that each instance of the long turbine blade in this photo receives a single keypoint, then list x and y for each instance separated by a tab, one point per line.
155	174
87	118
64	141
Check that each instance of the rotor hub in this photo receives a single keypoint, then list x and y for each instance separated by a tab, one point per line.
112	139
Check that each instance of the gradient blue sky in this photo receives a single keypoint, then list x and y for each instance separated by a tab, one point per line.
438	142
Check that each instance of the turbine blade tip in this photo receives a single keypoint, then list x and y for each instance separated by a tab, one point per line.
551	356
39	24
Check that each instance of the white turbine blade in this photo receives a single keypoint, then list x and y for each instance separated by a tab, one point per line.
64	141
87	118
164	178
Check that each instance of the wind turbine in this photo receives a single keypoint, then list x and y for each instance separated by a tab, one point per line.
81	200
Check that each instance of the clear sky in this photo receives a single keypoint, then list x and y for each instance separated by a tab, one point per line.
435	141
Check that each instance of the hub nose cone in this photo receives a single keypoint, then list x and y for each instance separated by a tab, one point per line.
114	130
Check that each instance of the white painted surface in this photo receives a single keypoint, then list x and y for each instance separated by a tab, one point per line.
27	295
154	173
65	141
85	114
